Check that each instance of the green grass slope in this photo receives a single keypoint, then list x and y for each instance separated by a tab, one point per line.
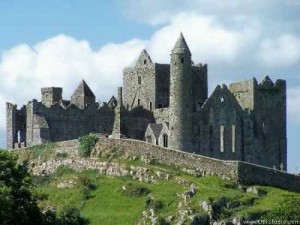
103	200
177	199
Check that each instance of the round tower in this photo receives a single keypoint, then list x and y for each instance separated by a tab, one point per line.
180	97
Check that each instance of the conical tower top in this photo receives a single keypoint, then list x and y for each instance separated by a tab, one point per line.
181	46
83	90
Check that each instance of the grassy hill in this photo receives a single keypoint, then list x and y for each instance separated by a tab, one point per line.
152	193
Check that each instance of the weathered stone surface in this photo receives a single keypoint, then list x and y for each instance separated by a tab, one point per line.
245	122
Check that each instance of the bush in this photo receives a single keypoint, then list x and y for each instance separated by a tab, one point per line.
18	197
71	216
154	204
88	185
135	190
86	144
162	221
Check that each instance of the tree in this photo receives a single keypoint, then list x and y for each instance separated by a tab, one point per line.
17	195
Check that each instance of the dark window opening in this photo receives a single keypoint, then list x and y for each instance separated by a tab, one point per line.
149	139
145	61
139	101
150	106
194	108
165	138
156	141
139	80
182	60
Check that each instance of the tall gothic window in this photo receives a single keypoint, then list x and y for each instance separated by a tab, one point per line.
233	138
222	138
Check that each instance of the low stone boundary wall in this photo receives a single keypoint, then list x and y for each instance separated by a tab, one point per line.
202	164
254	174
243	172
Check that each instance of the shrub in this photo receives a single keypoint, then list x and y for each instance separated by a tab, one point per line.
162	221
86	144
154	204
135	190
71	216
88	185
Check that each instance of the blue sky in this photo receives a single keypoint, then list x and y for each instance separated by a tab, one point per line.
58	43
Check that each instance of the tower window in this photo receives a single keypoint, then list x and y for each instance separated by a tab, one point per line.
233	138
149	139
145	61
139	80
165	140
182	60
139	101
222	138
150	106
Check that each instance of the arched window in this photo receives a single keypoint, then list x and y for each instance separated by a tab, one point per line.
222	138
233	138
165	140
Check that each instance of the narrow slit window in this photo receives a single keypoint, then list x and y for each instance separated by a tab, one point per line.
139	80
139	101
150	106
222	138
233	138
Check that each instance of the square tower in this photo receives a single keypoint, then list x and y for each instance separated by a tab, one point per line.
51	95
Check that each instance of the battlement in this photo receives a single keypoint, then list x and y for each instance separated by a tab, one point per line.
268	84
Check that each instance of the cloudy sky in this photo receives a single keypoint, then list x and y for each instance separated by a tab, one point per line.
58	43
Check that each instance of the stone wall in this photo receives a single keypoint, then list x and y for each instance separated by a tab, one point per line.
72	122
202	164
245	173
253	174
242	172
139	84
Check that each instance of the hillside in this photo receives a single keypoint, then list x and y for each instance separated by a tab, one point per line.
110	188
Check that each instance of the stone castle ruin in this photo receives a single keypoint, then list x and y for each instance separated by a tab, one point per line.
166	105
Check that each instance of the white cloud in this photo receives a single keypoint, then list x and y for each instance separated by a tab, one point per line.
208	40
156	12
293	103
62	61
280	52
